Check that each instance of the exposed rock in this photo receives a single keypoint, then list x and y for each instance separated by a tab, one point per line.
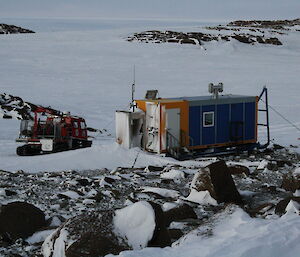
90	234
261	209
273	41
179	213
83	182
96	234
277	147
154	168
12	29
175	234
202	182
161	237
290	182
281	206
20	220
274	24
243	39
272	166
10	192
109	180
188	41
197	38
223	184
238	170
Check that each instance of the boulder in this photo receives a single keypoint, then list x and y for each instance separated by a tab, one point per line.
161	236
238	170
179	213
90	234
280	208
260	210
175	234
98	233
216	179
188	41
154	168
20	220
224	186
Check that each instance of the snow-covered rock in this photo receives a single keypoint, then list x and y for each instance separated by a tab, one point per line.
99	233
173	174
214	184
135	222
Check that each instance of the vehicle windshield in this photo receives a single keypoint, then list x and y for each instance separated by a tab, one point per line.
26	128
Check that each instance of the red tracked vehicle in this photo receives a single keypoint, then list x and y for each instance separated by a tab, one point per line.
52	131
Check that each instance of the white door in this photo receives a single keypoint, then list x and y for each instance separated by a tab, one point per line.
152	127
173	122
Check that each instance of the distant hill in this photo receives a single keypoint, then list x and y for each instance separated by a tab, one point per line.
12	29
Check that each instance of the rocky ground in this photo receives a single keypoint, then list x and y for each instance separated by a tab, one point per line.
12	29
248	32
263	185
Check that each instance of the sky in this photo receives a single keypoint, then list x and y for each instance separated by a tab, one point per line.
147	9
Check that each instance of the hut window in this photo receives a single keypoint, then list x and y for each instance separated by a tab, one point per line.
208	119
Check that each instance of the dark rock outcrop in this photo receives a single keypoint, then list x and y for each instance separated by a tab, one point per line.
179	213
271	24
20	220
223	183
161	236
198	38
281	206
12	29
238	170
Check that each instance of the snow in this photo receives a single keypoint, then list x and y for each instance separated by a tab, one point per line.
297	171
173	174
89	72
71	194
161	191
235	234
168	206
297	193
138	230
39	236
262	165
292	208
200	197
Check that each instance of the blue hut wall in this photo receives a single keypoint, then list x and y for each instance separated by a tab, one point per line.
233	122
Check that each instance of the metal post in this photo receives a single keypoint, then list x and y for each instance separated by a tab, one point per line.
133	90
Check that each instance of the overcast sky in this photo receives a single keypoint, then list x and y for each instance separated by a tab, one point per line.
176	9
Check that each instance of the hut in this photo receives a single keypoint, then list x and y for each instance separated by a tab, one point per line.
185	126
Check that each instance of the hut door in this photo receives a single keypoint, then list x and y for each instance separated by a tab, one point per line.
236	130
152	133
173	122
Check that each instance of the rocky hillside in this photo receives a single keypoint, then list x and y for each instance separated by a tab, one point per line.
247	32
12	29
86	213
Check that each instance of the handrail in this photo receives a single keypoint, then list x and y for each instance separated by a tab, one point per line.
173	145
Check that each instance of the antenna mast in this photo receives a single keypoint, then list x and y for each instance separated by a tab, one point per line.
133	90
